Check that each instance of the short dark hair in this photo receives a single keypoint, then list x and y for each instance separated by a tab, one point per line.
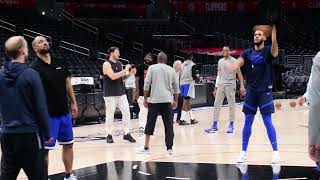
149	54
112	49
162	57
190	56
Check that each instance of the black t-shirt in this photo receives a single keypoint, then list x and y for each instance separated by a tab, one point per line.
141	73
113	87
53	78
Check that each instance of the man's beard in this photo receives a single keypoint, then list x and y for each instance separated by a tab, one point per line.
44	51
148	63
258	43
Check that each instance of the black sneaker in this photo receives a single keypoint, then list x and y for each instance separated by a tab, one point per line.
194	121
109	139
135	116
182	123
129	138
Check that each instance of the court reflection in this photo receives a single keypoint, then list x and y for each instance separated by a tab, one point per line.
136	170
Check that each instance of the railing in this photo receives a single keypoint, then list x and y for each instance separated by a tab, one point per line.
102	57
8	26
187	25
124	60
176	58
67	15
115	39
75	48
155	51
80	23
32	34
86	26
137	47
171	35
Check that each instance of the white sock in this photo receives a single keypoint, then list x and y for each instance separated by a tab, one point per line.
126	131
275	152
191	115
109	131
183	115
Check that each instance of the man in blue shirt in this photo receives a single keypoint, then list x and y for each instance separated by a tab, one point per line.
257	63
25	116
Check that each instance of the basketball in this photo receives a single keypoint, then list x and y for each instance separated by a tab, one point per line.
293	104
266	29
278	105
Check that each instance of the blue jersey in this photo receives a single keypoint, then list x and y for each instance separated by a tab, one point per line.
258	68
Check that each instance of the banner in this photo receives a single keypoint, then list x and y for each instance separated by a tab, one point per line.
211	51
300	4
249	6
216	6
17	3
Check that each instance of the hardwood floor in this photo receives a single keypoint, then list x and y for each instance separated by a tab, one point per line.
191	144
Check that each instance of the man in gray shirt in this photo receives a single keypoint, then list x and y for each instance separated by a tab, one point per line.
162	80
312	97
225	87
187	89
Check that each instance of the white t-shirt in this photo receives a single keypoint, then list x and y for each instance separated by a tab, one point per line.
130	82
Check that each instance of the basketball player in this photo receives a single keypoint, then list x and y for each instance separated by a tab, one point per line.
115	95
225	87
56	81
187	89
257	62
25	116
312	96
162	80
141	72
177	67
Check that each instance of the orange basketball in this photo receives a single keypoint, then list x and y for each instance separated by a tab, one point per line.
266	29
293	104
278	105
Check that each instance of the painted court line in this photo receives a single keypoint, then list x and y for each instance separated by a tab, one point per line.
179	178
144	173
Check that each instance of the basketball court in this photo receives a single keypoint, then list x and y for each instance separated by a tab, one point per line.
192	147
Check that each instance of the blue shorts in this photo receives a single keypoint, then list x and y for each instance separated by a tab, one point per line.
253	100
61	130
184	90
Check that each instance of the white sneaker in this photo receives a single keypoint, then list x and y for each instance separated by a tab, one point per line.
141	131
275	157
142	150
276	168
170	152
242	157
243	167
72	177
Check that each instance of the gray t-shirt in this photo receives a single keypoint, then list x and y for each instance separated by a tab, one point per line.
313	89
163	82
226	77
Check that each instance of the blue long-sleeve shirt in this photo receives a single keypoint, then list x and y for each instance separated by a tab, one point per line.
22	100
